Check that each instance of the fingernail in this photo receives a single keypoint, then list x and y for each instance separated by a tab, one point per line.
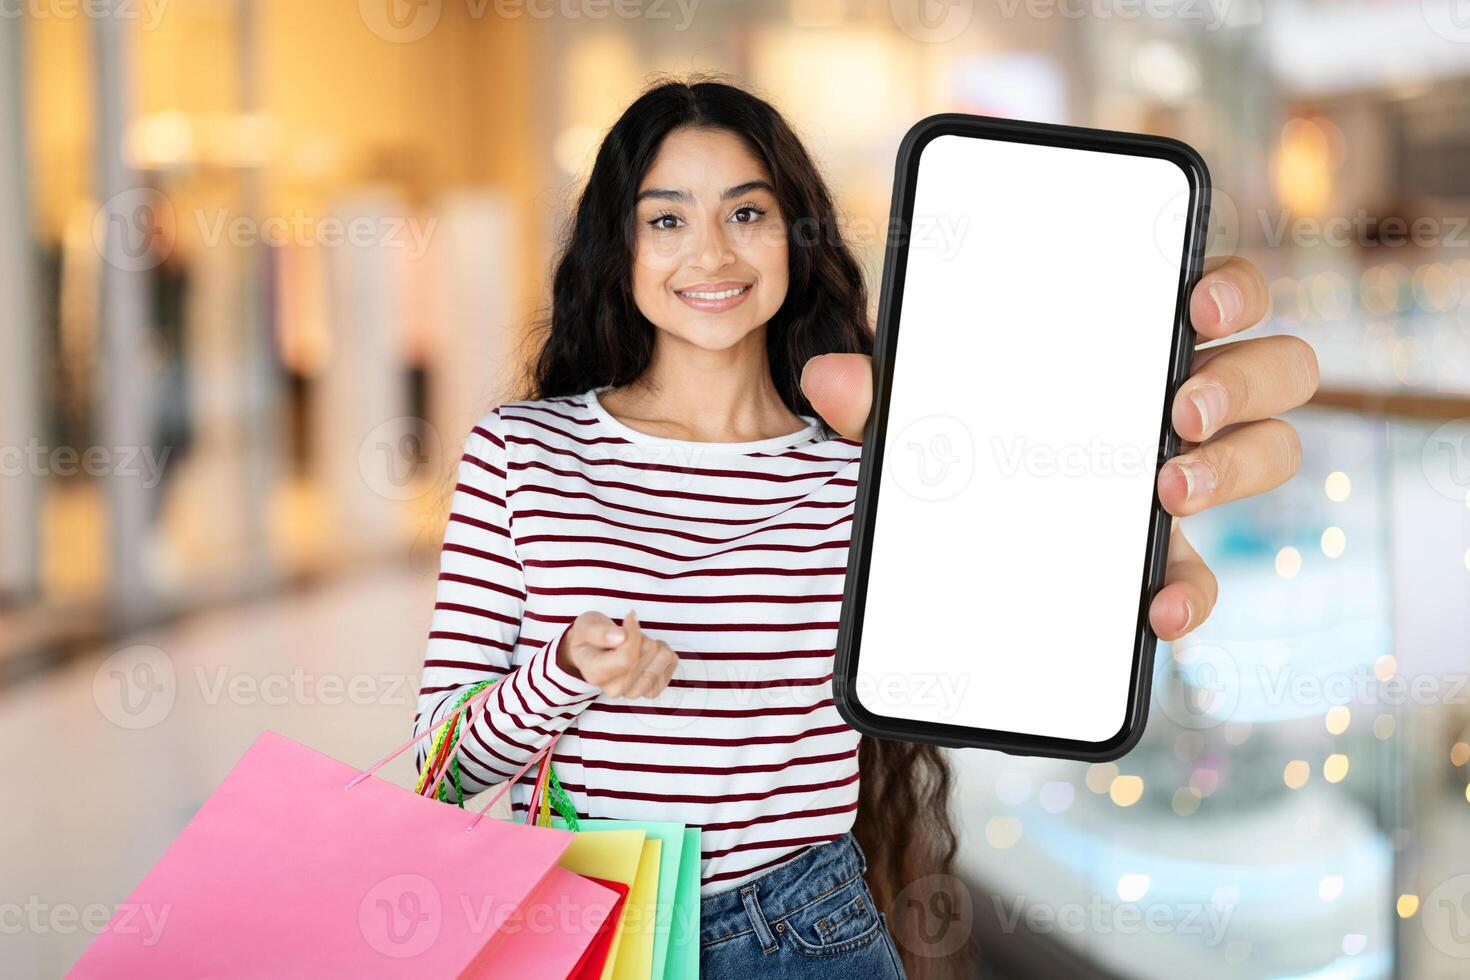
1188	615
614	636
1210	400
1228	301
1199	478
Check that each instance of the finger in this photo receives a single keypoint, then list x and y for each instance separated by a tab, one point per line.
1189	591
653	674
1230	296
623	656
1245	461
637	675
636	668
632	634
600	632
1243	382
840	388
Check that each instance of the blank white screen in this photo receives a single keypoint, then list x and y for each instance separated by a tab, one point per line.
1019	458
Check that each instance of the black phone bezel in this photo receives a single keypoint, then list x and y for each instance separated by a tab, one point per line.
870	470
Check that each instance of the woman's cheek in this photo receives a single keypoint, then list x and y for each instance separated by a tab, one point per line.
657	253
775	273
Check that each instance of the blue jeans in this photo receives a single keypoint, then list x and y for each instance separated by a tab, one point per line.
808	918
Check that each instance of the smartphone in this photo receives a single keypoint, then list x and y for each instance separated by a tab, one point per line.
1033	328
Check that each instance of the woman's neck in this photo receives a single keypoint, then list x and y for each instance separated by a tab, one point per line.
705	396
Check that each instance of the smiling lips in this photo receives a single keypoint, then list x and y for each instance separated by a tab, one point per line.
714	297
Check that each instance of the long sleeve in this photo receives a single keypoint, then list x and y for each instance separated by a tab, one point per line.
476	629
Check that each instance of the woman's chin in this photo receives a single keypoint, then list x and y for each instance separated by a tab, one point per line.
714	333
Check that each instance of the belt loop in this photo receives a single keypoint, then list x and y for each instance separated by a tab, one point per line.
862	858
758	919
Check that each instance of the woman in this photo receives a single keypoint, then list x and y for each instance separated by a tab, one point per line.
648	548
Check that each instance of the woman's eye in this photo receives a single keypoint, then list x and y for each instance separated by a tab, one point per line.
665	222
750	210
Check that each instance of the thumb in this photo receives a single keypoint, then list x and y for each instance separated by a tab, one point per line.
601	632
840	388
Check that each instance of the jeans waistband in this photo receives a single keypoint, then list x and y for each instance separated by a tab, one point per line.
781	889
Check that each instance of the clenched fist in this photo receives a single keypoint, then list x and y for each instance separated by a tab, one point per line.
621	661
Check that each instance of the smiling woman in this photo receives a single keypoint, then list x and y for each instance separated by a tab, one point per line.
650	545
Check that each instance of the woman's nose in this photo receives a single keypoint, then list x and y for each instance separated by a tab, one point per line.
713	249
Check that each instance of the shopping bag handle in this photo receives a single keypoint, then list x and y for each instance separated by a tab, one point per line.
537	789
420	737
433	790
549	747
546	750
546	785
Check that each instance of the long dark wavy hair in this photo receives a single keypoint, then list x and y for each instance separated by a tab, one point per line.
595	335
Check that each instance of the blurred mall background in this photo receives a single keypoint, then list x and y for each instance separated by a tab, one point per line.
261	264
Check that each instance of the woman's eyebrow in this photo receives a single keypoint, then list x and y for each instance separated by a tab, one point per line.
669	194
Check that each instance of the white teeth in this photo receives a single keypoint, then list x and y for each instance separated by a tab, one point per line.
722	294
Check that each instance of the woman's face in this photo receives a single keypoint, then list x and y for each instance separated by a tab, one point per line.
709	257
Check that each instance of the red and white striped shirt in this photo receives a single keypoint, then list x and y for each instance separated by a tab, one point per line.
732	553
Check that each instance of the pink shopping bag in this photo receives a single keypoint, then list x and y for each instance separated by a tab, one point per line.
566	903
300	866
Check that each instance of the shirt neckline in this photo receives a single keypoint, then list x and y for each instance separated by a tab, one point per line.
594	404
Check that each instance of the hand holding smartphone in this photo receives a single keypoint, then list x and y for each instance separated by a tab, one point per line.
1032	331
